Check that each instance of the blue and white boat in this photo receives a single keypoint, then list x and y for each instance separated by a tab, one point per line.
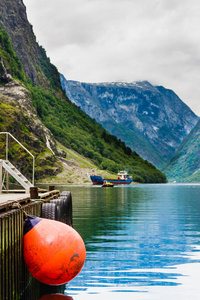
123	178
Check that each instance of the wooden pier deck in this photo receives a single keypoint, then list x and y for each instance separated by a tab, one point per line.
7	200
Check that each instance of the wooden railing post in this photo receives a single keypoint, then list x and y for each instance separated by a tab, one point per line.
34	192
51	188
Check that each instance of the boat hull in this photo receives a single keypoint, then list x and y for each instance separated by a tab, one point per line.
96	180
113	181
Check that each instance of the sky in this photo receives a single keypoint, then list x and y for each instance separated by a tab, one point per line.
123	40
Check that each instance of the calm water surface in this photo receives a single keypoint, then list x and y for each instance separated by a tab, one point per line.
142	241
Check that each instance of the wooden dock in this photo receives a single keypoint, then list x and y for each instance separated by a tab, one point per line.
8	200
15	279
16	283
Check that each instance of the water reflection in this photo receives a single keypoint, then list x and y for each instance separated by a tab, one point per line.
137	237
55	297
51	289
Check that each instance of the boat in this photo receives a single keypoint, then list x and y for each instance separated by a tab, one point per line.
96	179
123	178
107	184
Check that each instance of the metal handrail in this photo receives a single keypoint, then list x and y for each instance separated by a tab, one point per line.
9	134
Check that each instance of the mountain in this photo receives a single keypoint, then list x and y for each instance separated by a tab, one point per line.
185	164
35	109
36	65
151	120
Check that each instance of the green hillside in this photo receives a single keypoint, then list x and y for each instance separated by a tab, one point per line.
185	165
68	123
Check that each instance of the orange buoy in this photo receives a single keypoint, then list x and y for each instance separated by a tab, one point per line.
56	297
54	252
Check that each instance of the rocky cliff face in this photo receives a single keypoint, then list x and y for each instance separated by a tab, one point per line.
13	19
16	95
151	120
37	67
18	117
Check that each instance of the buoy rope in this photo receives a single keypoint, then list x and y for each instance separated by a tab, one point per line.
18	205
35	200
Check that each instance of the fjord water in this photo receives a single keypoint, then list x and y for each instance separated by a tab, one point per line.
142	241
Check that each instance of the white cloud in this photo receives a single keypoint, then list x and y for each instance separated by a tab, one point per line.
108	40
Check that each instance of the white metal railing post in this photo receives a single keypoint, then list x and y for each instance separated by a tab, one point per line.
7	177
6	146
1	165
33	179
33	157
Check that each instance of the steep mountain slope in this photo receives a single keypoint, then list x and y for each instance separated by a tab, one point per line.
185	165
29	104
151	120
36	65
18	117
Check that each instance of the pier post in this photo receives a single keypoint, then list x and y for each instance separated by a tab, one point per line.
51	188
34	192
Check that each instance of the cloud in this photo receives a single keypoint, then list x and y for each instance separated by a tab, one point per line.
109	40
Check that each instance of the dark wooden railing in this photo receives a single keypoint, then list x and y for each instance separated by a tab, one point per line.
14	276
16	283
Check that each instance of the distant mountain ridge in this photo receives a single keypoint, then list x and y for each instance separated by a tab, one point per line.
151	120
185	164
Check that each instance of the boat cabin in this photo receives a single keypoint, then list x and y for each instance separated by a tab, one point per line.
123	175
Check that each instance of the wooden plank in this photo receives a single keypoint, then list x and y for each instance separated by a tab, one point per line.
14	254
6	256
50	194
8	200
23	277
0	258
3	260
17	252
13	191
10	273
